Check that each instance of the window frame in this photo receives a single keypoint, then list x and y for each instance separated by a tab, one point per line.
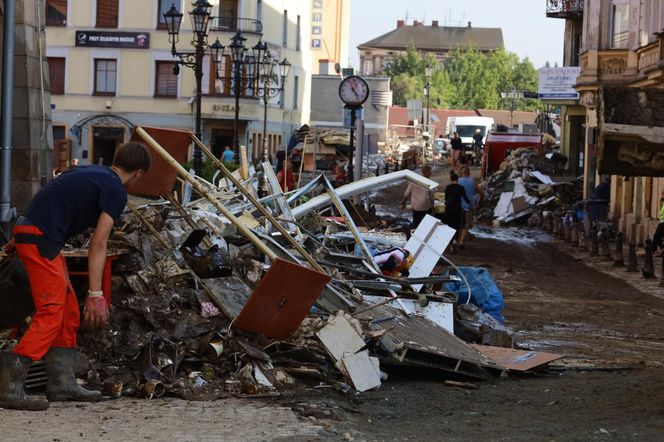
612	24
171	64
95	90
57	24
162	26
60	91
117	15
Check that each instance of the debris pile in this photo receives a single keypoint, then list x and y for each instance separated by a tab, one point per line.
523	186
228	295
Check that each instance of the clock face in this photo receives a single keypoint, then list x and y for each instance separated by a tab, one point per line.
353	90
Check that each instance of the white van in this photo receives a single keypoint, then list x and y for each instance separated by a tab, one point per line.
466	126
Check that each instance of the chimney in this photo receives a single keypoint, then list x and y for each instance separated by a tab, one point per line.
434	24
400	24
325	67
470	24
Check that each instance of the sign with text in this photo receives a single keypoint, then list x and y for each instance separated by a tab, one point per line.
558	83
108	39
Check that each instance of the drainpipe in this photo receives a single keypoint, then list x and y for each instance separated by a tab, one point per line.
7	112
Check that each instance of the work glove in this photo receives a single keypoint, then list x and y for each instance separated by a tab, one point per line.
96	311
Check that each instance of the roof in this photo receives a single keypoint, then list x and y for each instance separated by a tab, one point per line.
399	116
504	117
437	38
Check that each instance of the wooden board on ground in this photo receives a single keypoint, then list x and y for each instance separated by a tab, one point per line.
517	360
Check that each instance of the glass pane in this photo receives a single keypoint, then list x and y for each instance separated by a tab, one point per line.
101	81
620	35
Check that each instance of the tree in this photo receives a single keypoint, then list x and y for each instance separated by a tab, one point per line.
467	79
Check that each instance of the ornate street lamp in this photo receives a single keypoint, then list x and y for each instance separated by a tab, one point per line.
271	80
200	20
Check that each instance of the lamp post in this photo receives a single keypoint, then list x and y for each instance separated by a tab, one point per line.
200	20
271	82
428	71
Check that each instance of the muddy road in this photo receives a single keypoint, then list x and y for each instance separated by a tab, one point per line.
609	388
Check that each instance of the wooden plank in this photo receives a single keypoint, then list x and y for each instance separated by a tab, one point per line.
517	360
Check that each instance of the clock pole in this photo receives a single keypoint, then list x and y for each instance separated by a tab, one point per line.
351	147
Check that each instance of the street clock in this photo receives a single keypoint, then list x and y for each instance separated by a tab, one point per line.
353	91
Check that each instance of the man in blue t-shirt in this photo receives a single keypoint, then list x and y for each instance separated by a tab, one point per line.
228	156
474	193
84	197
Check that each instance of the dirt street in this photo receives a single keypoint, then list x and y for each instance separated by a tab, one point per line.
610	388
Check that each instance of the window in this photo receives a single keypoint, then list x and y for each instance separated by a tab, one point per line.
296	91
619	24
367	67
56	75
56	12
224	86
285	28
105	76
297	35
228	14
164	6
166	83
107	13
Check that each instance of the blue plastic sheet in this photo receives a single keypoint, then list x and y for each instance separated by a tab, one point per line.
484	292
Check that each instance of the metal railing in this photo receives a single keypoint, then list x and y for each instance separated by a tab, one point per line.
564	8
233	24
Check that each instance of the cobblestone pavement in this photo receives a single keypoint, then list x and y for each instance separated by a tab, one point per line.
158	420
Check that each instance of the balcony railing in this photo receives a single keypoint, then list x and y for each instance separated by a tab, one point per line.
564	8
233	24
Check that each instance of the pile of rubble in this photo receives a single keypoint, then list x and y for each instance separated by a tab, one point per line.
528	183
229	295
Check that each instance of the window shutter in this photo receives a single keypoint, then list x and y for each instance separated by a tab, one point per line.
56	75
107	13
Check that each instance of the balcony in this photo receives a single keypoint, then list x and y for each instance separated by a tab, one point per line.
567	9
611	66
233	24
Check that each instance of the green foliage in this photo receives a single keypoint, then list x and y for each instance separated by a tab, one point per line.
209	169
467	79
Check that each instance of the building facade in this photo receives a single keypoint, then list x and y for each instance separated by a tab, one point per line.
111	69
622	45
434	39
329	32
572	112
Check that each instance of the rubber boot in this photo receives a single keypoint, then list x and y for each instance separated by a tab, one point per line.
13	370
61	382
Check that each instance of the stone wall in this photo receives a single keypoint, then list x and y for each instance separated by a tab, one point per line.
32	134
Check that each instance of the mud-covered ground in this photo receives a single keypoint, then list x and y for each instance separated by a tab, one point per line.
610	387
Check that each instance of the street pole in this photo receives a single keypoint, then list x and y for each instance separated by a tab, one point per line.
351	146
237	64
198	73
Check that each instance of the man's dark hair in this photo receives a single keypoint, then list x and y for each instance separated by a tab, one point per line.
132	156
454	177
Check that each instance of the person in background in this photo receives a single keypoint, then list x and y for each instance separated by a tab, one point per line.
287	179
228	156
474	192
421	199
457	147
477	145
83	197
340	177
659	232
603	190
454	195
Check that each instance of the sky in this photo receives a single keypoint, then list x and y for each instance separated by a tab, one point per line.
526	29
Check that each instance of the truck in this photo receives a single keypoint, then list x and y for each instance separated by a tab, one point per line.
466	126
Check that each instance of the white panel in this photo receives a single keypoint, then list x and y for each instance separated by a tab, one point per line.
427	245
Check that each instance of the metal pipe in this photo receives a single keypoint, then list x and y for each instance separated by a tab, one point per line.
198	73
241	227
7	111
266	213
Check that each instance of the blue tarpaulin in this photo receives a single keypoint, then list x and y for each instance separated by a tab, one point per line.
484	292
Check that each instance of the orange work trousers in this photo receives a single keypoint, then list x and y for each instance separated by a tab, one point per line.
57	317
